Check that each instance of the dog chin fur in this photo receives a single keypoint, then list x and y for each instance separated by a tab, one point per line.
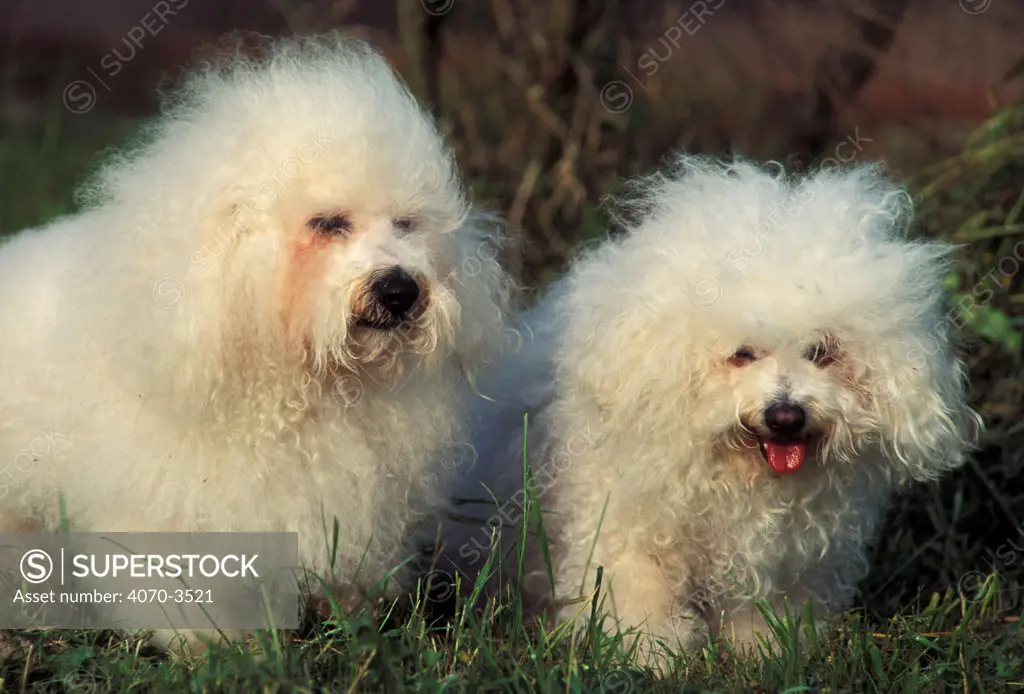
191	348
644	425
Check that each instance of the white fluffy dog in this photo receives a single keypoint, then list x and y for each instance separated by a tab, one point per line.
723	401
262	322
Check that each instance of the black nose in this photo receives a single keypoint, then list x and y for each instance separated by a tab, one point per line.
396	290
785	419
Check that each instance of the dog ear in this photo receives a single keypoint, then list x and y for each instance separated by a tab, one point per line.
482	289
921	391
614	351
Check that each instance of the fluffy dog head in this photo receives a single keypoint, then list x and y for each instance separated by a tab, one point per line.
779	325
303	209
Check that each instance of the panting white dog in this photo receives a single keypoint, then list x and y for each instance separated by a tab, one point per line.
263	320
722	402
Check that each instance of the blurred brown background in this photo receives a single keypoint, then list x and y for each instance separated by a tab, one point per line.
551	103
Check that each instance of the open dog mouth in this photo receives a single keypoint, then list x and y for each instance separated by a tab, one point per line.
783	457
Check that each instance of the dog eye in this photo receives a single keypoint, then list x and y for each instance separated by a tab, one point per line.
822	353
742	356
403	224
332	224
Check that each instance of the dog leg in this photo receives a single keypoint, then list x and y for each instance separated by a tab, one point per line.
642	599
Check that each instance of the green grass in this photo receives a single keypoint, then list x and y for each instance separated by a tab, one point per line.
922	621
41	165
951	645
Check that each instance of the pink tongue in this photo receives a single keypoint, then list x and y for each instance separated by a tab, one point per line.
785	457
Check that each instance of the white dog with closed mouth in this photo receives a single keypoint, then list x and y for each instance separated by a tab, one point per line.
263	320
723	401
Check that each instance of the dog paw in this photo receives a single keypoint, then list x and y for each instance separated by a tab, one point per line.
192	642
653	642
659	649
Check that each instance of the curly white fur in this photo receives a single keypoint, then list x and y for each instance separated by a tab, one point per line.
190	343
645	424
